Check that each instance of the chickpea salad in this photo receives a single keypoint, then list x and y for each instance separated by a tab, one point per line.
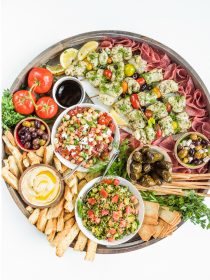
85	135
110	211
151	105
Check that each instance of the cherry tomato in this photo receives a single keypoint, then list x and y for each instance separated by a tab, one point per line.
124	86
108	74
157	92
141	81
168	107
148	113
135	101
104	119
46	108
40	79
129	70
115	198
91	200
108	181
112	127
24	102
158	132
116	182
104	193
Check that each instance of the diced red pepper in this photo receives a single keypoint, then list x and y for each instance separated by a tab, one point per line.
135	101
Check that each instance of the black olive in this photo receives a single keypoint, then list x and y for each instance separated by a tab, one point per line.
28	137
204	142
135	76
35	141
34	134
40	132
45	136
144	87
149	87
100	50
191	152
102	67
115	67
197	142
123	95
36	147
32	129
27	145
179	148
143	108
37	124
196	161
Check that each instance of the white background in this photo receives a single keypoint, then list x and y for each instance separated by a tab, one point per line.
29	27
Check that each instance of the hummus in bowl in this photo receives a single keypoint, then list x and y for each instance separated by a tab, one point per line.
41	186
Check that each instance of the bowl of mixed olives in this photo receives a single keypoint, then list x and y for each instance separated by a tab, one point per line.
149	166
31	133
192	150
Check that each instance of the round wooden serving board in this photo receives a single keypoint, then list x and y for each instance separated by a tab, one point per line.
52	54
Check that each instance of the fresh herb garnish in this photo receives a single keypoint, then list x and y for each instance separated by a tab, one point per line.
191	206
9	116
80	208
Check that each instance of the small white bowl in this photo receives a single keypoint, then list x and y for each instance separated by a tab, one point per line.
61	80
133	190
57	123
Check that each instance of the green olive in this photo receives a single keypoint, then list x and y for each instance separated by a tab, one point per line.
32	124
185	160
193	136
42	127
26	123
204	155
42	142
198	155
198	148
183	153
129	70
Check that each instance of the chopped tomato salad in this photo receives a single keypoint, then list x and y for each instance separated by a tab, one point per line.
110	211
85	135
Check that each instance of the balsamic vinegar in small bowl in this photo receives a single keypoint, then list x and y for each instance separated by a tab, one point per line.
68	91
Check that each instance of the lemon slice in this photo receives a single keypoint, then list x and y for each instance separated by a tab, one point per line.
86	49
67	57
119	119
55	69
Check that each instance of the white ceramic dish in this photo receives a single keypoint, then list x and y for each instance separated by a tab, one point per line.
61	80
123	182
57	122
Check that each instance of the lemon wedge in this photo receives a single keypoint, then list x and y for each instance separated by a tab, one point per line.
55	69
86	49
119	119
67	57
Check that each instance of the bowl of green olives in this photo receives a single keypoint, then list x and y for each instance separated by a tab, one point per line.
149	165
192	150
31	134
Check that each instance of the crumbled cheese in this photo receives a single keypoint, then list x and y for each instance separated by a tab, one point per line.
70	147
64	135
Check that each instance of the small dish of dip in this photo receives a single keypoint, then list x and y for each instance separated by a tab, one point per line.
40	186
68	91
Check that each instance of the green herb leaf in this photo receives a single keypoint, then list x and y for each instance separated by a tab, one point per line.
80	208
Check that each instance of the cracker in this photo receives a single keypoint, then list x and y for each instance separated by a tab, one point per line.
9	178
48	155
91	250
167	215
81	184
55	211
150	221
60	222
146	232
50	226
57	164
68	216
13	166
40	152
151	211
159	228
68	239
81	242
61	235
33	218
42	220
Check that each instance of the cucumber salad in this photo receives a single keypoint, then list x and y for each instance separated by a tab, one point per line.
151	106
110	211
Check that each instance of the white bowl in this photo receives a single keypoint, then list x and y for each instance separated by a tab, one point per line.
133	190
57	123
61	80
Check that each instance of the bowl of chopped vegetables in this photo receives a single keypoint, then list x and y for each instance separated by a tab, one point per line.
109	212
192	150
84	135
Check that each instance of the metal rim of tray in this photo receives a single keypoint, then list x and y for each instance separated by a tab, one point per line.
77	40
